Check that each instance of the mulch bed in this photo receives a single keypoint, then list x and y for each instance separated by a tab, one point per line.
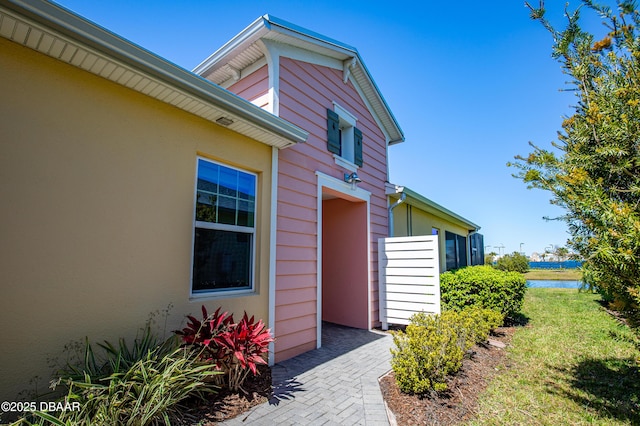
458	403
227	405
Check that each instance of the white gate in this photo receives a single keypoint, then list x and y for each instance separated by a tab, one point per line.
409	278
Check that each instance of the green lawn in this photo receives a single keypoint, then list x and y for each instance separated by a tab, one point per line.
554	274
572	364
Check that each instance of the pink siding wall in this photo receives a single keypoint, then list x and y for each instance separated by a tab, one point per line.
306	91
253	86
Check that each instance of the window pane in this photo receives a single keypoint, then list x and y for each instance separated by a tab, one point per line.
462	251
245	213
206	207
221	260
228	182
227	210
247	187
208	176
450	251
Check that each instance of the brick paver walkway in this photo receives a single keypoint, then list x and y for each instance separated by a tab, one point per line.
334	385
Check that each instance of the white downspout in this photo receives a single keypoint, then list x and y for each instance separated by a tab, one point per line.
403	196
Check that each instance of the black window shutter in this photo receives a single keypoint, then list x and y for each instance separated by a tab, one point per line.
333	132
357	141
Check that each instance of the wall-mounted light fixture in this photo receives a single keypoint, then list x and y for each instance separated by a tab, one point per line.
224	121
353	179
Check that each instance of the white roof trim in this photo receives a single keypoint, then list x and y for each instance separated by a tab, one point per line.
67	37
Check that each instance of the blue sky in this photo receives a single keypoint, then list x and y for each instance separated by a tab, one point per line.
470	83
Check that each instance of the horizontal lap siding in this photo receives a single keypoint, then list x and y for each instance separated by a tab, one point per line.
254	86
296	272
306	91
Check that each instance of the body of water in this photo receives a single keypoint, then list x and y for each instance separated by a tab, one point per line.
553	284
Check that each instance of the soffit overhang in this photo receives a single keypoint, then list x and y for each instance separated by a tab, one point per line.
246	49
65	36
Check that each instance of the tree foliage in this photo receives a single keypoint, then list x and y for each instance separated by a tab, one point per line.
594	171
562	253
514	262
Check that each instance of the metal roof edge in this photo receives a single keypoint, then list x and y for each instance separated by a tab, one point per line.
275	21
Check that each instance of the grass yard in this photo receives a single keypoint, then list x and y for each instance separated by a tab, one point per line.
572	364
553	274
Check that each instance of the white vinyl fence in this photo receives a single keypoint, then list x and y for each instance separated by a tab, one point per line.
409	278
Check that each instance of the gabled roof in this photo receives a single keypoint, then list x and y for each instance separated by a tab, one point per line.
69	38
245	49
429	206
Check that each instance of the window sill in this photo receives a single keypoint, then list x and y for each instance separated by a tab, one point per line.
346	164
222	294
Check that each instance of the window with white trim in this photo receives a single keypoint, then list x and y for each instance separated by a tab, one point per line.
344	139
224	229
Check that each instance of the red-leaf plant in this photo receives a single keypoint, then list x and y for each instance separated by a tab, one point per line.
235	348
245	345
200	333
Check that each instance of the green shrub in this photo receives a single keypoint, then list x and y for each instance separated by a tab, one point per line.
476	323
483	287
514	262
141	385
426	352
433	346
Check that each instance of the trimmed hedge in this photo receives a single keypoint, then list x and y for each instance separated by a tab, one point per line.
433	346
484	287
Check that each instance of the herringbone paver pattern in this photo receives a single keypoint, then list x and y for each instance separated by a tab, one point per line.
334	385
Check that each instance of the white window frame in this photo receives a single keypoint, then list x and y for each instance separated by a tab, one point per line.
347	144
231	292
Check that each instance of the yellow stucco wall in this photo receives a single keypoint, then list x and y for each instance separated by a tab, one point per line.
409	220
96	211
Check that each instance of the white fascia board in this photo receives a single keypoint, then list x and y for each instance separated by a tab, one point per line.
246	37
